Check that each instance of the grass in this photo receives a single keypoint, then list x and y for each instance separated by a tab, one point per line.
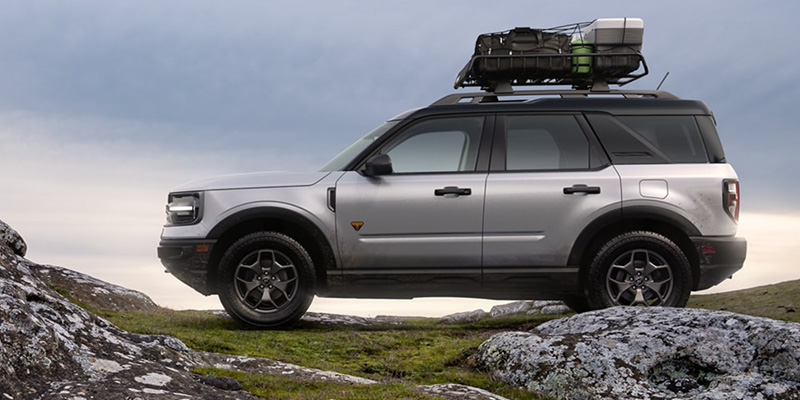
780	301
418	352
280	387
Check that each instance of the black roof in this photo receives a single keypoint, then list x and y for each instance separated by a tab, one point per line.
617	102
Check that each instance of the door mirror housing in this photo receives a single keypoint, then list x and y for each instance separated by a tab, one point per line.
377	165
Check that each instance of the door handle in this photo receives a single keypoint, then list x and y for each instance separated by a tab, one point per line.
452	190
582	189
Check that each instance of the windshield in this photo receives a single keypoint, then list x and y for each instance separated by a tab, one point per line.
339	162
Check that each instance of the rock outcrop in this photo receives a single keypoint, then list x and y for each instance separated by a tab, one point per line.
464	317
544	307
11	239
92	292
50	348
658	353
53	349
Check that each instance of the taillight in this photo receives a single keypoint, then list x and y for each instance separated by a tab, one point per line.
730	198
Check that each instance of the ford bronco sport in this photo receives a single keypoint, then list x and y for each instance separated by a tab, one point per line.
597	197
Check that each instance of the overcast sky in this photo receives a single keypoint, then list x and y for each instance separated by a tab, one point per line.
104	106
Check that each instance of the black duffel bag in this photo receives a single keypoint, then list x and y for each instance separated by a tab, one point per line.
521	53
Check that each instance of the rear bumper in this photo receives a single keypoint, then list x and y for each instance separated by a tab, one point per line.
720	257
187	260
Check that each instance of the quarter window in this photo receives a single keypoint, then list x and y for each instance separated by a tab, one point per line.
545	142
677	137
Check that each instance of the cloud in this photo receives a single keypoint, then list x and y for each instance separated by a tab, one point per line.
74	186
105	106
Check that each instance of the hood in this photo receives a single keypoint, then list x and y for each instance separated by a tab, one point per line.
253	180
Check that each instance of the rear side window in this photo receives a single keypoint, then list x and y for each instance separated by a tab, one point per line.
676	137
545	142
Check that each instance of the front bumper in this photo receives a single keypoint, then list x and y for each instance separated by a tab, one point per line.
720	257
188	261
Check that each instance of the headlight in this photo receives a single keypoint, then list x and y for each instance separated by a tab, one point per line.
184	208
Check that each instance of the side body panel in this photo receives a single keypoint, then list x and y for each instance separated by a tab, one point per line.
531	222
393	222
693	191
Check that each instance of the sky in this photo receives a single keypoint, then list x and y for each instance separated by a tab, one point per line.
105	106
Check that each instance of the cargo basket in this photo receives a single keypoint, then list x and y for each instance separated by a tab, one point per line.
552	56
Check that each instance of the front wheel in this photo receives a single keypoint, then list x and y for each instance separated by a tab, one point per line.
639	269
266	280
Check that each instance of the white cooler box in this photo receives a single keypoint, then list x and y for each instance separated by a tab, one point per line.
621	39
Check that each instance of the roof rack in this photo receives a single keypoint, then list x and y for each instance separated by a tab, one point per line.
494	97
584	55
550	69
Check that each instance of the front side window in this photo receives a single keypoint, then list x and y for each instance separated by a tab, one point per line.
545	142
437	146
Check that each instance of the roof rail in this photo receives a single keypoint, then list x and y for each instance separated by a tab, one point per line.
494	97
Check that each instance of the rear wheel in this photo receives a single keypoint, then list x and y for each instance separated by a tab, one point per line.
266	280
639	269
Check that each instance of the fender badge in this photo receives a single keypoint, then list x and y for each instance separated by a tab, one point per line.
357	225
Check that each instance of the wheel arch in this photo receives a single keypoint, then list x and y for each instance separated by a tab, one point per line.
273	219
639	218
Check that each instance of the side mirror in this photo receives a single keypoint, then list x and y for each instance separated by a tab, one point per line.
378	165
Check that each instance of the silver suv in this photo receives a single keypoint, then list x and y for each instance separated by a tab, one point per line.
616	198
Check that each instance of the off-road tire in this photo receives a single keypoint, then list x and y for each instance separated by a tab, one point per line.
266	280
639	269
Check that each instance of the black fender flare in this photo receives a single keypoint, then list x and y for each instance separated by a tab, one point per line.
628	214
263	212
291	223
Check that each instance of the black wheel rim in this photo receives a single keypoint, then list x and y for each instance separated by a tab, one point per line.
266	281
639	277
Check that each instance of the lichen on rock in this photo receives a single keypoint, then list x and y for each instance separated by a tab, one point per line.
92	292
51	348
659	353
11	239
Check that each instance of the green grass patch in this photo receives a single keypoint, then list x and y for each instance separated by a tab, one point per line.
281	387
417	352
780	301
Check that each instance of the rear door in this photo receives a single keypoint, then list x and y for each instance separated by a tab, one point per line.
548	180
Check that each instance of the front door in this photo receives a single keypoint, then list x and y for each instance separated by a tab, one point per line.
425	216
